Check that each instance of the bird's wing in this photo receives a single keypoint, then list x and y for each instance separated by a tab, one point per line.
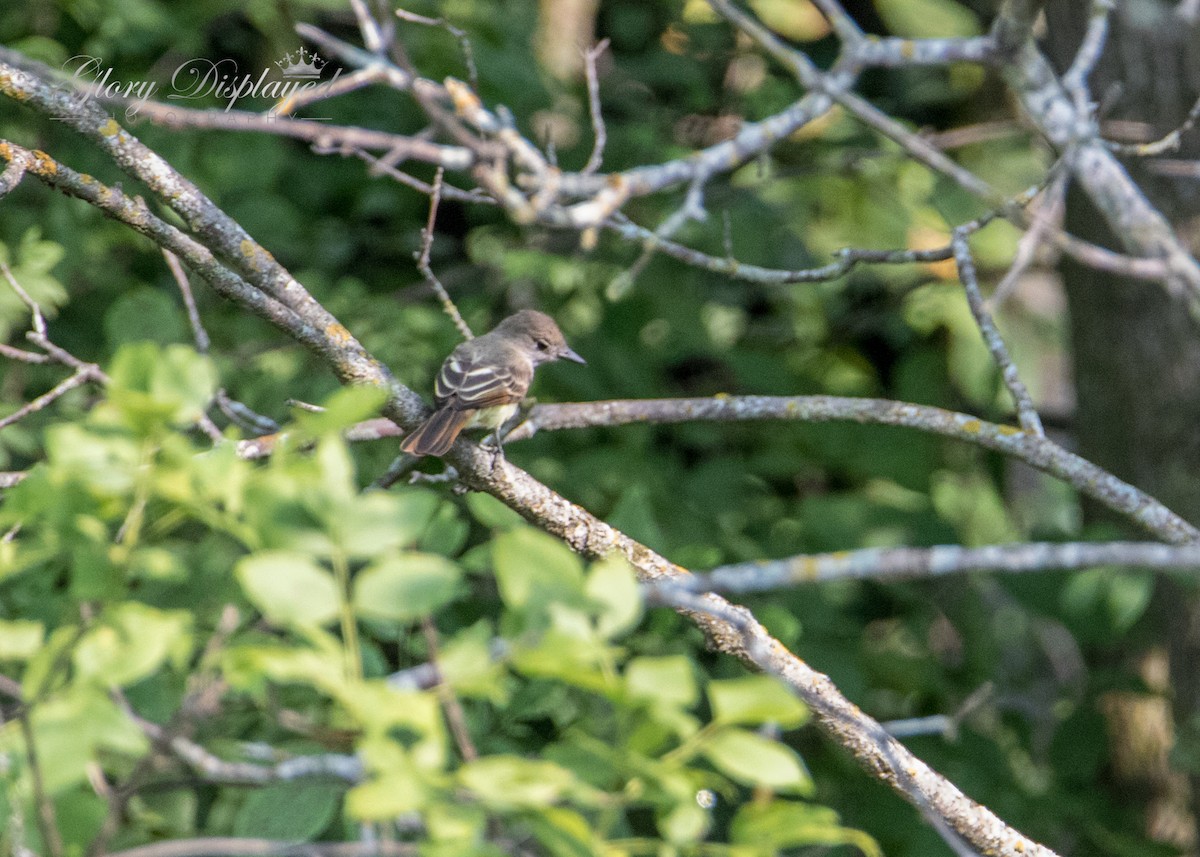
468	381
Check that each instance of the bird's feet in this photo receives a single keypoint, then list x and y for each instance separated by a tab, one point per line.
497	448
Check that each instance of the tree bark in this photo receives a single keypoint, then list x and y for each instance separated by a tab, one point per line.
1136	352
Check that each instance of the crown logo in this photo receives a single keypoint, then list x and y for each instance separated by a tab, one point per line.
306	64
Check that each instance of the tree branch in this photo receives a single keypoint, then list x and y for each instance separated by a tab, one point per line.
905	563
1038	452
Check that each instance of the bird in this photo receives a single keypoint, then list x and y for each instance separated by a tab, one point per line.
484	379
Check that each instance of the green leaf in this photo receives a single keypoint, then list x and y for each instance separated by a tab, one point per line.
152	385
754	760
1129	595
374	523
756	699
289	588
72	727
490	512
395	788
295	811
683	823
402	720
405	587
446	532
534	569
454	822
345	407
510	782
20	639
613	586
472	665
31	266
130	642
143	314
928	18
782	824
250	667
667	680
562	832
104	463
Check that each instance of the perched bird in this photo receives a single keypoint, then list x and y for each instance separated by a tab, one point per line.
483	380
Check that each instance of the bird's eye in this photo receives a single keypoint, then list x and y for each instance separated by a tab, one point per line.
542	345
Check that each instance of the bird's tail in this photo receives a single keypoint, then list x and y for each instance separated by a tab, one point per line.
437	434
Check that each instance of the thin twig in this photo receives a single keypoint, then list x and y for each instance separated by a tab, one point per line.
199	334
23	356
884	565
368	27
423	266
460	36
1047	219
844	25
1026	412
79	378
241	415
344	84
1039	452
450	703
1169	142
11	177
47	819
1090	49
590	56
941	724
691	209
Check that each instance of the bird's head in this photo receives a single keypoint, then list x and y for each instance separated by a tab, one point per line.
539	333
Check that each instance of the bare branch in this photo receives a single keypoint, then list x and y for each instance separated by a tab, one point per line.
941	724
323	136
1090	49
460	36
952	813
1026	413
893	52
435	198
1168	143
1038	452
302	97
590	57
450	704
844	25
23	356
1047	218
212	768
239	414
60	389
905	563
199	334
11	177
1118	198
809	76
84	372
846	259
369	27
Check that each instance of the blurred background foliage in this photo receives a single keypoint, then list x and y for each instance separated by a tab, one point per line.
132	542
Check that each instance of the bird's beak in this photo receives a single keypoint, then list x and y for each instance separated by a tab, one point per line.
568	354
